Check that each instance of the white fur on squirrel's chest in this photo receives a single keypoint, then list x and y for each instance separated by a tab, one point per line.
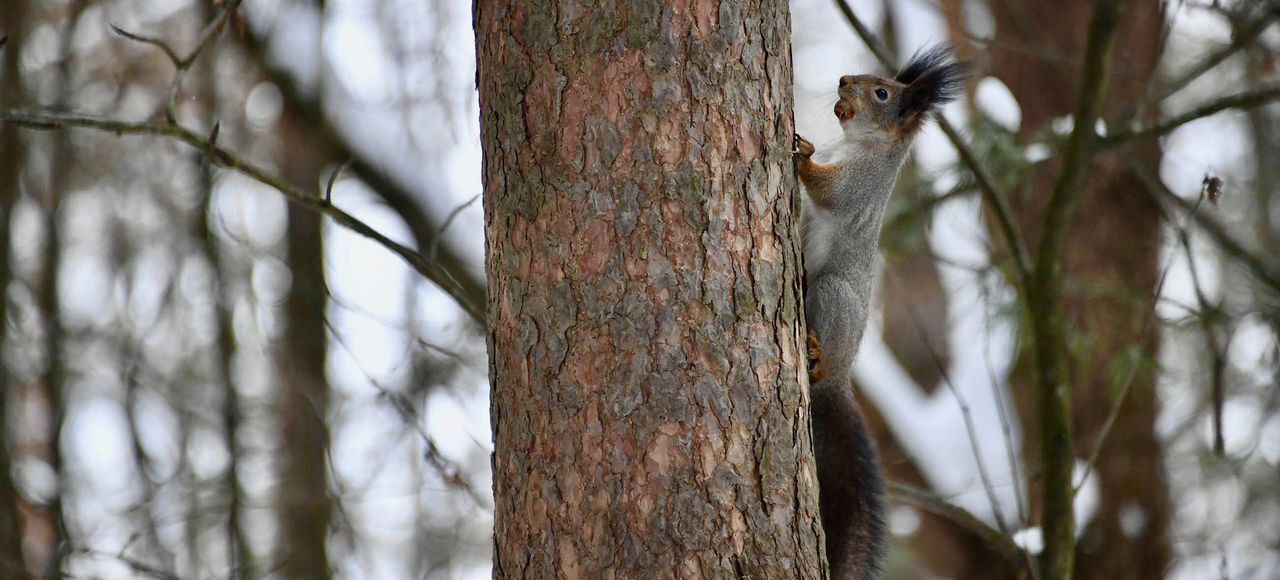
818	229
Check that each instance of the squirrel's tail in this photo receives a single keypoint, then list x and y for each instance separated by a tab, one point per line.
850	488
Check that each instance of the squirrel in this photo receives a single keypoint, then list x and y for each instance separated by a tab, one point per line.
840	224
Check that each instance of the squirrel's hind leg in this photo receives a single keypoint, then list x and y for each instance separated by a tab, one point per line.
815	358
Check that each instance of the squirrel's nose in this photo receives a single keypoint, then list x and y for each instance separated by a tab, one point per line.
845	81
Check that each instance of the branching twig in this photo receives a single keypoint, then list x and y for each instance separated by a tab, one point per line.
54	121
333	178
450	473
1242	37
402	201
183	64
207	35
995	198
1244	34
1258	267
211	31
448	221
1206	315
1246	100
464	291
1261	269
1011	454
965	412
173	56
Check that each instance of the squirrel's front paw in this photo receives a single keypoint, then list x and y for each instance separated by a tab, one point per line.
815	358
801	146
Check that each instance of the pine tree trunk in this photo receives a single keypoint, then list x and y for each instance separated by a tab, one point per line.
646	354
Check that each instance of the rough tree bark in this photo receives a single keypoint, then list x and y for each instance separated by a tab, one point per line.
1110	272
649	413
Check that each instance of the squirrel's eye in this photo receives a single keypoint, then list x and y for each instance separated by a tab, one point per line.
882	94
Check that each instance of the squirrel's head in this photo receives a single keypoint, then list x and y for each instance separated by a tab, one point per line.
873	109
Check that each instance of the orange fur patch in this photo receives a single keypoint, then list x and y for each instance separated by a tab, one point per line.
817	179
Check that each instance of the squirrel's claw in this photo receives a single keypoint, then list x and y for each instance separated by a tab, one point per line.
801	146
815	358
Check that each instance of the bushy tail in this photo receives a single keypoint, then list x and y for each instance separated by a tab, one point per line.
850	488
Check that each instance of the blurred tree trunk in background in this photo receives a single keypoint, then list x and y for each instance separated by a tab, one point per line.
644	297
11	162
239	556
51	384
238	550
1265	132
303	497
1111	274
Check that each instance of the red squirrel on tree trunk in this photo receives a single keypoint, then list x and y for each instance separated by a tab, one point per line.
840	225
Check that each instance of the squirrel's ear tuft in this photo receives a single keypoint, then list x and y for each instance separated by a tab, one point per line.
932	78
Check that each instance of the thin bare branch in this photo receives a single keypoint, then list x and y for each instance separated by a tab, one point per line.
211	31
183	64
448	221
940	507
1006	430
173	56
450	473
1242	37
1242	101
965	412
1258	267
1262	270
42	120
333	178
1206	317
402	200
